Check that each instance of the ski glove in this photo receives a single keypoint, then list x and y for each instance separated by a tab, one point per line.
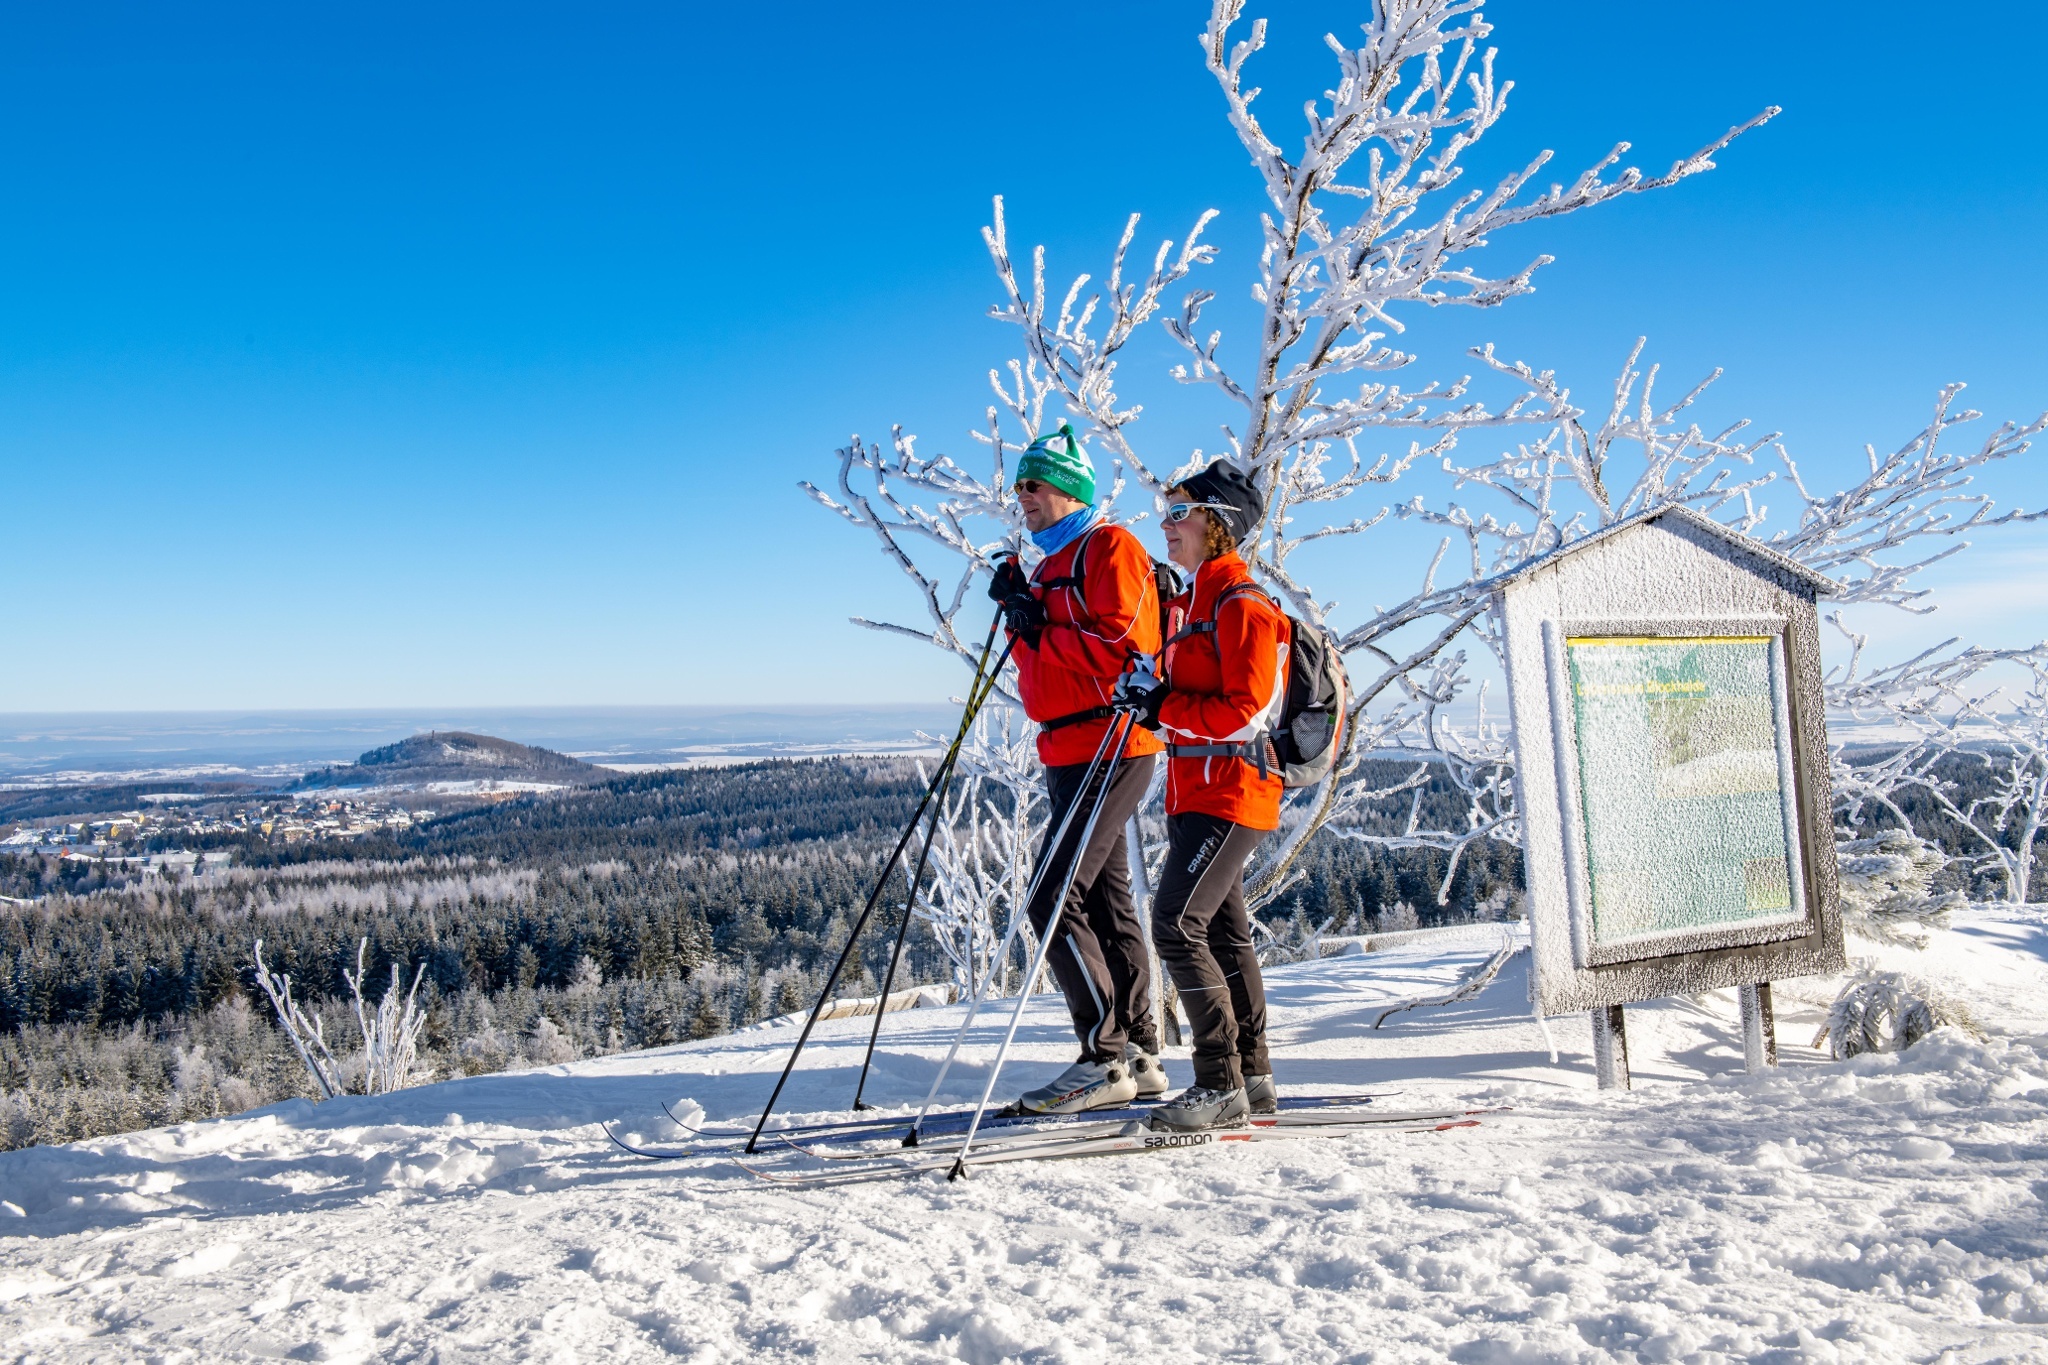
1009	580
1025	616
1144	694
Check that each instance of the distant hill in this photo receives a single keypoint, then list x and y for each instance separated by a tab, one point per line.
453	756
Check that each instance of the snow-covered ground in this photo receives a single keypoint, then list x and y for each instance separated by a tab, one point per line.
1891	1208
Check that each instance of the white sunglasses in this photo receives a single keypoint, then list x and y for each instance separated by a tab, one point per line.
1181	511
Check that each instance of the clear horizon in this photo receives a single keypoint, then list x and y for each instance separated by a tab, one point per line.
367	359
119	745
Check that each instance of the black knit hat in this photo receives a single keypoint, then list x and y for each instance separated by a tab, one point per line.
1223	482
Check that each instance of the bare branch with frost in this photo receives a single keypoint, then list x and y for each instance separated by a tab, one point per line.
1916	493
391	1032
1468	987
1947	701
983	849
307	1035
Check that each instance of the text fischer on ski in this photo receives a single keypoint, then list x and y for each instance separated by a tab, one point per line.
1087	626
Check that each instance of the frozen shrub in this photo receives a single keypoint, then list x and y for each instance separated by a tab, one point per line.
1395	918
1884	888
586	979
548	1045
486	1051
17	1122
1889	1012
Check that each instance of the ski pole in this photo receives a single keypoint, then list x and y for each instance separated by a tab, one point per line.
974	690
1017	913
923	857
1122	730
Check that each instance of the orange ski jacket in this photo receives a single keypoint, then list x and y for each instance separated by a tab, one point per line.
1092	629
1228	686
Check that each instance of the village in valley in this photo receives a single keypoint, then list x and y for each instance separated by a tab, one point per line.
180	834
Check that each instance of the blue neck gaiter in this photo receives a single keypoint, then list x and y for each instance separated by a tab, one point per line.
1065	531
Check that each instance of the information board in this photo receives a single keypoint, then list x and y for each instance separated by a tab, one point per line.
1684	786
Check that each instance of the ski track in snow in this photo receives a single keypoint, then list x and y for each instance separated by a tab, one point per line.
1890	1208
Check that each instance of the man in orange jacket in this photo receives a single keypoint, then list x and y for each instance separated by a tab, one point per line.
1078	620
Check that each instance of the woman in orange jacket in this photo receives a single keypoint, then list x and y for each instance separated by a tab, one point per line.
1223	680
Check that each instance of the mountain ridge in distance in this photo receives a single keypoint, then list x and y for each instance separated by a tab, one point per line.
452	756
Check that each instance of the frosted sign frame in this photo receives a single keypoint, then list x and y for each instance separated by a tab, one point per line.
1669	572
1674	757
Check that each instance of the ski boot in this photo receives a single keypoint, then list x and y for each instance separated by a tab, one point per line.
1262	1094
1198	1107
1146	1072
1084	1085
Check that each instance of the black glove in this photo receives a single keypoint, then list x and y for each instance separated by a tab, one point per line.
1009	580
1140	692
1025	616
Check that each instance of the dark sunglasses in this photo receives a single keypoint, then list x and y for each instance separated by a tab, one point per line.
1181	511
1031	486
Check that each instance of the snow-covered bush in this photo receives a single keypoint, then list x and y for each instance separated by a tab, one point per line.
1889	1012
982	849
587	977
1395	918
1884	888
390	1030
548	1045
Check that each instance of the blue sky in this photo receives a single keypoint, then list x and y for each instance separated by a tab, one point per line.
469	355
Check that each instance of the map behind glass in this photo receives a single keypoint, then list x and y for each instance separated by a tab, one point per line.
1680	785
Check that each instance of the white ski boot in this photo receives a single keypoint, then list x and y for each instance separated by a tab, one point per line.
1082	1086
1198	1107
1146	1073
1262	1094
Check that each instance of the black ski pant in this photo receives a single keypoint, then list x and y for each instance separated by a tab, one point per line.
1098	952
1204	935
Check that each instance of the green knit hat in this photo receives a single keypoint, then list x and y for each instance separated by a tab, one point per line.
1059	460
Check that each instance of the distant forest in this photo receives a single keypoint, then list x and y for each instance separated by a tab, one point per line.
641	912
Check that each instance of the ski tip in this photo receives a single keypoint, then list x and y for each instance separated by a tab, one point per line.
645	1153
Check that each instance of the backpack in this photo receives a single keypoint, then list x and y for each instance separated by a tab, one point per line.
1310	732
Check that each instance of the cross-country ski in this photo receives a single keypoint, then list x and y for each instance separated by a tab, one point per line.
1128	1138
949	1123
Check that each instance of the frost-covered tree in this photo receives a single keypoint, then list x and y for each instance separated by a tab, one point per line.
1959	721
1370	221
981	851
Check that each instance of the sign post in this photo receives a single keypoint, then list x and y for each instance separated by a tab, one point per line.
1672	774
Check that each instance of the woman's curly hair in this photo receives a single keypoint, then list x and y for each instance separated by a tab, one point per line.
1217	541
